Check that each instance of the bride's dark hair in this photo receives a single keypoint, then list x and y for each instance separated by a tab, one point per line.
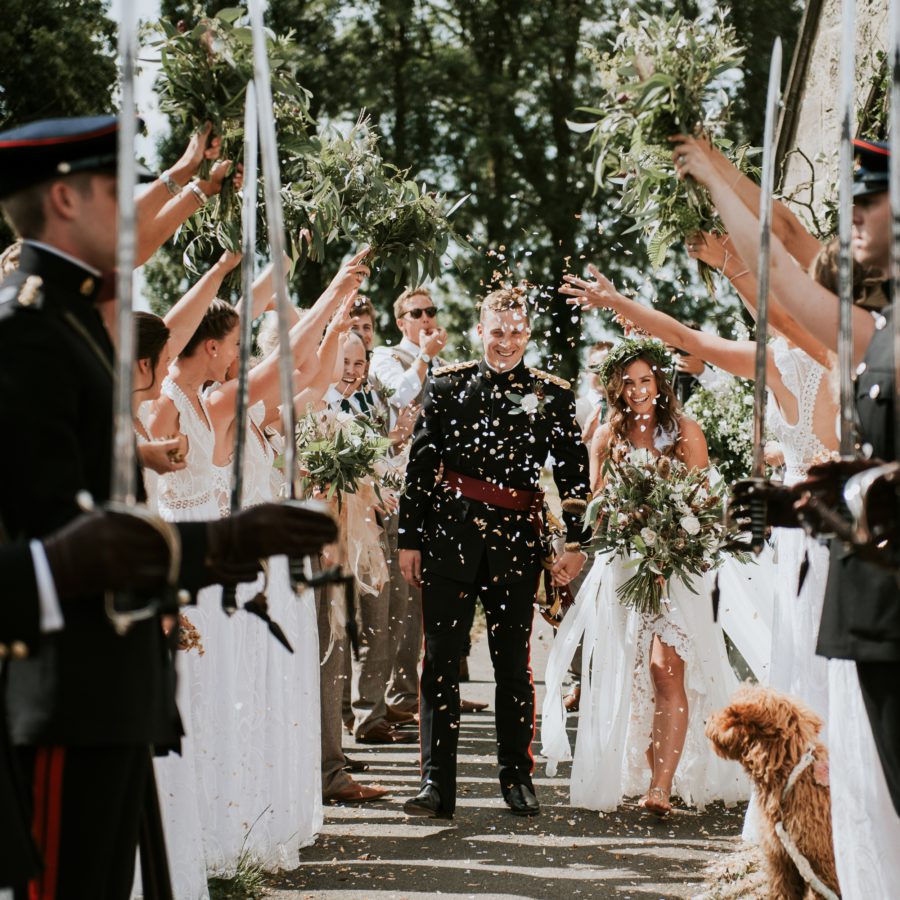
668	411
218	321
152	337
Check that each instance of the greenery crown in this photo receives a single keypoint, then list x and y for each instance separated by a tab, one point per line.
630	349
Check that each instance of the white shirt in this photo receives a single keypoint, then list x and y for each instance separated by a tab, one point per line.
390	371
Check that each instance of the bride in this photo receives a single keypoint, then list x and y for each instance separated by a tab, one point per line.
649	681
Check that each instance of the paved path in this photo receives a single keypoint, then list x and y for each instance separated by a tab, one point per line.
377	853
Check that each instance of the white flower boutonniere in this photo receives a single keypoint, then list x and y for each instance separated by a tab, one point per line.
532	404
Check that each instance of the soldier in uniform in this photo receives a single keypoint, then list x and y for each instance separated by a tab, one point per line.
85	704
469	528
860	625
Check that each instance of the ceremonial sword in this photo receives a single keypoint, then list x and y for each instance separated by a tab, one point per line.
268	141
894	187
123	610
845	227
767	187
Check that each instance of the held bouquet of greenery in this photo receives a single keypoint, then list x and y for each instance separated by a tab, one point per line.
727	422
332	186
662	77
665	519
338	451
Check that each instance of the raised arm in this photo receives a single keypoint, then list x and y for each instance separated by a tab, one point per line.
814	307
796	239
736	357
159	213
716	251
185	316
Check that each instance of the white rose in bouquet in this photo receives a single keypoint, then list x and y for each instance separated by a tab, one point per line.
648	536
691	524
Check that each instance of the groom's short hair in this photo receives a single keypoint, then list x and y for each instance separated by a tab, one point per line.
509	298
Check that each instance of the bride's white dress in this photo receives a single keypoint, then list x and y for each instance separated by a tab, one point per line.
616	710
795	668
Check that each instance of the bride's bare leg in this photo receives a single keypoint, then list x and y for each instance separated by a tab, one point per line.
670	717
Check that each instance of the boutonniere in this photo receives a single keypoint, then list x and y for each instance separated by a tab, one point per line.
532	404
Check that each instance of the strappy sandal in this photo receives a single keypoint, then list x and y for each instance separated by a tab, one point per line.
656	801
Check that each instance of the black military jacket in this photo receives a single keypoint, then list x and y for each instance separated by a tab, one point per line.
19	624
84	685
472	424
861	612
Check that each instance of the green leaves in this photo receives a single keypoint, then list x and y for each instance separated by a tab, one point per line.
662	77
334	187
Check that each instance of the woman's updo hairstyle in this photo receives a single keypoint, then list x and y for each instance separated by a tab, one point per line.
152	335
220	320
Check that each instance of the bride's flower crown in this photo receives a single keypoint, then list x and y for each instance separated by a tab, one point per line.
630	349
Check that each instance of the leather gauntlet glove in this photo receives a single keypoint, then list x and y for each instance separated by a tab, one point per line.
106	551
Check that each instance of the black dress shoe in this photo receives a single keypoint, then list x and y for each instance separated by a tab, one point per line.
426	803
521	801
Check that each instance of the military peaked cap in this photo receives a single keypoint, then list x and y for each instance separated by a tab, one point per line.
870	168
52	148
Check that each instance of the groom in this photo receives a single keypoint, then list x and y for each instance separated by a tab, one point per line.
469	528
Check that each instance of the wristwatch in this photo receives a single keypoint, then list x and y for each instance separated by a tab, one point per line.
424	357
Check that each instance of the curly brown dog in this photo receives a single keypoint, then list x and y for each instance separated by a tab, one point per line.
771	734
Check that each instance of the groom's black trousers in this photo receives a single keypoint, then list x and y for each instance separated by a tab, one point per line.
446	612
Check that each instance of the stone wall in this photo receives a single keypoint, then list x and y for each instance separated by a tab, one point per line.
810	121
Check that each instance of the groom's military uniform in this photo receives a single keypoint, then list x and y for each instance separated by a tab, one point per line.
473	508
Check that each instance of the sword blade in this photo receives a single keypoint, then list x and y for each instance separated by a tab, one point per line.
248	274
123	470
268	141
765	232
845	224
895	207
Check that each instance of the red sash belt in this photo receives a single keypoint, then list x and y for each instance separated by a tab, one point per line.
495	495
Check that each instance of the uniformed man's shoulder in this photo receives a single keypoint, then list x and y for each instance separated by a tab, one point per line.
20	291
551	379
455	368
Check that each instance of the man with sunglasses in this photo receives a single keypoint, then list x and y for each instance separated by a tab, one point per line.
403	369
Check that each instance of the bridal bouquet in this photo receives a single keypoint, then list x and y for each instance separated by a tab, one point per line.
338	451
662	517
663	76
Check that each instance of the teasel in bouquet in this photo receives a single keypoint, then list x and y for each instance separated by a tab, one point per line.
663	76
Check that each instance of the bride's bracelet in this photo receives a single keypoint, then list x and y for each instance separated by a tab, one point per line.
573	547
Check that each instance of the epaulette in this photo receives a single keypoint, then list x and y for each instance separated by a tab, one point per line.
454	367
553	379
26	292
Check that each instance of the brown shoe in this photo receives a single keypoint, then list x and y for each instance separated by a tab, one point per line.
382	733
397	716
572	700
469	706
358	793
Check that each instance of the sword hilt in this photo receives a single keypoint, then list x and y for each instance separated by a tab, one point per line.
758	515
332	575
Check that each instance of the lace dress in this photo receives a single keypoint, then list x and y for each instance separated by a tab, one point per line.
617	698
795	668
276	711
189	784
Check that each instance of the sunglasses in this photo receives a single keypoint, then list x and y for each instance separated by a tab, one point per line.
430	311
